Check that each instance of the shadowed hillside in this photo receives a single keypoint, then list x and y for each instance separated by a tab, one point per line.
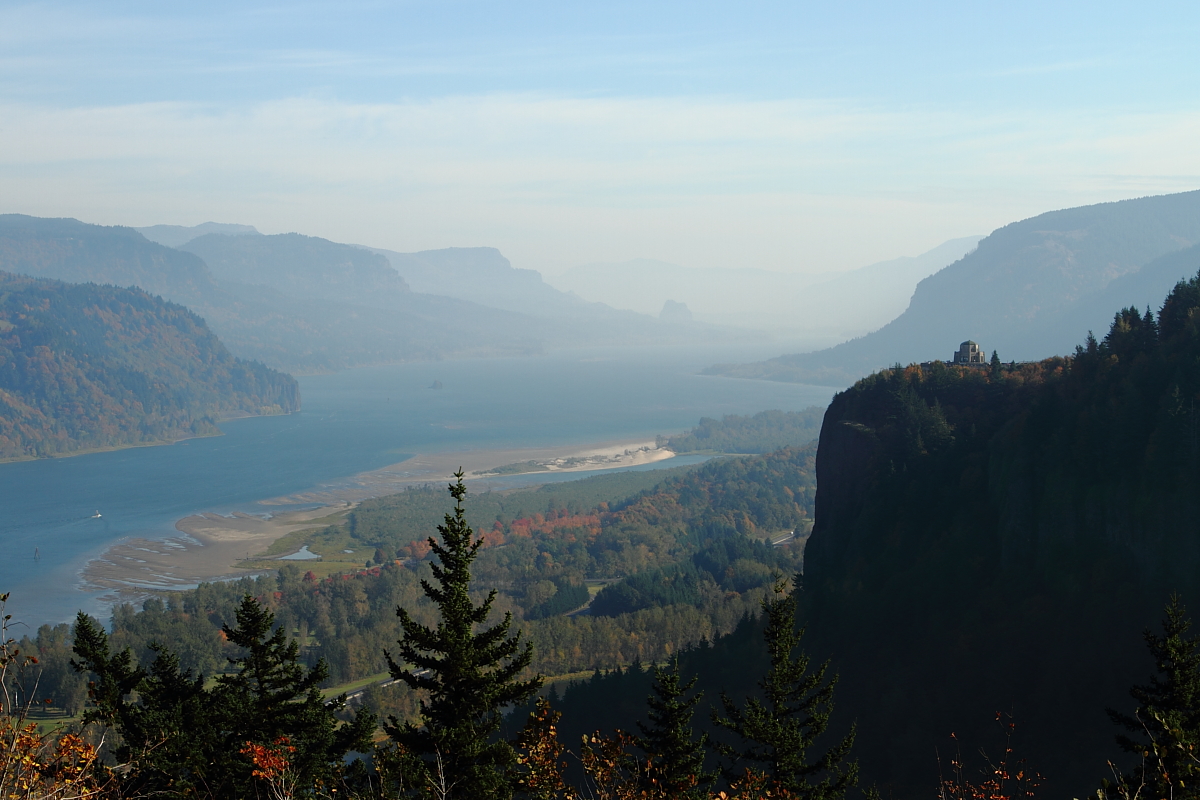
990	540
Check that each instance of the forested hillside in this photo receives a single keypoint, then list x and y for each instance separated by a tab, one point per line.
992	541
986	540
683	562
760	433
86	366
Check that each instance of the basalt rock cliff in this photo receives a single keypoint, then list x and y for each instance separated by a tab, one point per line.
996	540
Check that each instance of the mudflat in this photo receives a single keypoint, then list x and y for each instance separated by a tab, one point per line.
210	547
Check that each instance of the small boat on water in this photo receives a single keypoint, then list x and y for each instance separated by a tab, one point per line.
96	515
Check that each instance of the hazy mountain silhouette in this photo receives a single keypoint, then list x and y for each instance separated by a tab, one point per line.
290	325
176	235
480	275
303	266
306	304
73	251
1030	290
483	275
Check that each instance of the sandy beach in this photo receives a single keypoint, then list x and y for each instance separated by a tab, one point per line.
210	545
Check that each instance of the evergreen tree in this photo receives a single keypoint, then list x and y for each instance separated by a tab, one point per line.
1166	724
170	736
778	730
467	676
182	739
996	366
676	758
276	698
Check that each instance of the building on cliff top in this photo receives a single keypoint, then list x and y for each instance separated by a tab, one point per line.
969	354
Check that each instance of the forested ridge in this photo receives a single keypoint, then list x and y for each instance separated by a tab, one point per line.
85	366
1005	536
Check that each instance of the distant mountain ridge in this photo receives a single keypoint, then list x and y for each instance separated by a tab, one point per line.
179	235
476	274
289	324
830	306
483	275
1027	291
302	266
85	367
74	251
306	304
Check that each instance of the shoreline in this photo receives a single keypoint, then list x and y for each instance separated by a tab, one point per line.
210	545
130	446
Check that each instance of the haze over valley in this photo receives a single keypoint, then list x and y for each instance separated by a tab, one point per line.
533	401
820	306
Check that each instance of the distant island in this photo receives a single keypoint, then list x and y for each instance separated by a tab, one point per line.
86	367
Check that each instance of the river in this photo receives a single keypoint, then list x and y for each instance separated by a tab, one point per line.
351	422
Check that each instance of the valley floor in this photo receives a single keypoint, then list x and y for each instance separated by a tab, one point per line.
211	545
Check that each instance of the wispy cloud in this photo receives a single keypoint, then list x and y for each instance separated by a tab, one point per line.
553	180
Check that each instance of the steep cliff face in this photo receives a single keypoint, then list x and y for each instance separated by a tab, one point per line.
997	542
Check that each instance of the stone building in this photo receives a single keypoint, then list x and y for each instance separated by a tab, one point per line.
969	353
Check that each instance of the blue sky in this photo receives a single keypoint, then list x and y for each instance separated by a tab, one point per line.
800	137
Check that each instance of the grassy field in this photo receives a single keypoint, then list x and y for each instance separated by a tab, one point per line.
329	538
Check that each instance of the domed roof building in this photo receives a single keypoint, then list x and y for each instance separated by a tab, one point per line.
968	353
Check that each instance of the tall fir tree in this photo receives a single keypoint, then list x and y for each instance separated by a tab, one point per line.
778	731
466	675
1165	727
675	754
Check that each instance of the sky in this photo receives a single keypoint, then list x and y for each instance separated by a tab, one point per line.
799	137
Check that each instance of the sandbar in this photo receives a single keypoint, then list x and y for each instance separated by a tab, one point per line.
210	545
440	468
